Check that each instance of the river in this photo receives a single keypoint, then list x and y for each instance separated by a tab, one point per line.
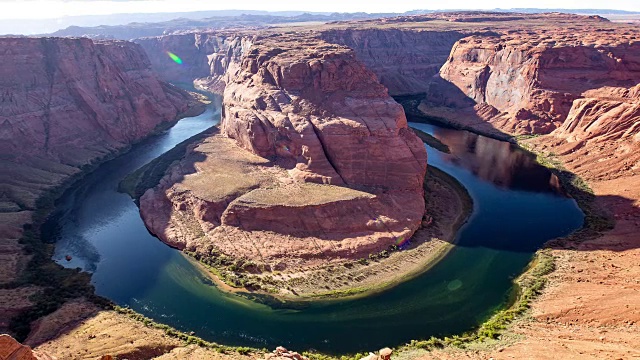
517	207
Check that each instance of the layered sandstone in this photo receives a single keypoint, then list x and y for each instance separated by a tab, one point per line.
10	349
316	162
603	126
65	104
530	80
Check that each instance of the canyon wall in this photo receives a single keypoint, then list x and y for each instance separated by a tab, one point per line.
65	104
405	60
530	80
580	87
315	162
202	55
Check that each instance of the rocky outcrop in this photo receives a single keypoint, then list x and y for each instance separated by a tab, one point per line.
526	82
316	162
604	125
10	349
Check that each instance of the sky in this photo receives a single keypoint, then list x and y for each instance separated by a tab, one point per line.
44	9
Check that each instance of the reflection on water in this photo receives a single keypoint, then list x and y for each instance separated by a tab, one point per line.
515	211
498	162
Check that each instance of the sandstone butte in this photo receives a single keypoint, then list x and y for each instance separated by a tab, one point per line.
570	81
315	161
65	104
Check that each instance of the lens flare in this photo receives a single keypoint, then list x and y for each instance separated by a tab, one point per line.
175	58
402	240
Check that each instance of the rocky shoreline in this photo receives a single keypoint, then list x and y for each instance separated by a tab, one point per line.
448	208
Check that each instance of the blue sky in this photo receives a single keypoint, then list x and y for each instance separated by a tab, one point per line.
42	9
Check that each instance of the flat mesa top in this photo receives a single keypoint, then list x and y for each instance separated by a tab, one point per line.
224	170
563	28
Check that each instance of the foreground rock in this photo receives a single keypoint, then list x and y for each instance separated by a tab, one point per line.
10	349
316	162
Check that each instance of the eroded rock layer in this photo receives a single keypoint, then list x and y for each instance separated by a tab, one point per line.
530	80
600	138
65	104
10	349
316	162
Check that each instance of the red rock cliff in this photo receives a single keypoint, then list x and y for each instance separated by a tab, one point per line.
530	80
65	103
296	111
316	105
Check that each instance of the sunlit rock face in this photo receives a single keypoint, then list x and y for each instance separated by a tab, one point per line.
320	157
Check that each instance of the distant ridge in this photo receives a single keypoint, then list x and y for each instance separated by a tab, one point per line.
72	24
573	11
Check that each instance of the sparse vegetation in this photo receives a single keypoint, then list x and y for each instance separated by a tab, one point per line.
58	284
529	285
187	338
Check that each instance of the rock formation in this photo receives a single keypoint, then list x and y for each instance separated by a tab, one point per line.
10	349
65	104
530	81
603	125
68	102
316	162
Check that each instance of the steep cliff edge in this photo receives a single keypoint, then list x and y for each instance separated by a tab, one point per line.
526	82
64	104
603	126
315	163
68	102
